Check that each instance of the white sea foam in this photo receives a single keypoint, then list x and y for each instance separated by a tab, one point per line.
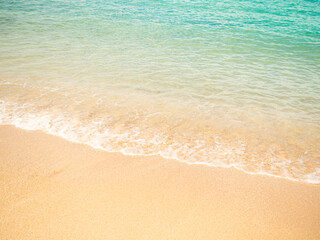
131	143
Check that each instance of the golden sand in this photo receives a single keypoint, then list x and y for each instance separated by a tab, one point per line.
54	189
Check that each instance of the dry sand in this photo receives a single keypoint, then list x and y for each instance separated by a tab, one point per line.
54	189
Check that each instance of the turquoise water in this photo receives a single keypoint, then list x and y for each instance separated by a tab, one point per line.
221	83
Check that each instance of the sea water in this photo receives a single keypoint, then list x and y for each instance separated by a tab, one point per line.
233	83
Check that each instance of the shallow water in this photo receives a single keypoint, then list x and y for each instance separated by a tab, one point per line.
222	83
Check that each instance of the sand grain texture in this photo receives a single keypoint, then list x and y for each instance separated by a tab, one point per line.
54	189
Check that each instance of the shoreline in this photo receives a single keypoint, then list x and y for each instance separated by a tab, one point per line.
163	156
52	188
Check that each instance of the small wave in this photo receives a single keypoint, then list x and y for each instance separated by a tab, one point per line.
198	152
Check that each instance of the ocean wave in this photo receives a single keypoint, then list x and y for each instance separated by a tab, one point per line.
134	141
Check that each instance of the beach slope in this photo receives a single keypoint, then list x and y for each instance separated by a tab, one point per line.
54	189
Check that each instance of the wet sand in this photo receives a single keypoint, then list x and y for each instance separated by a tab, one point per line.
54	189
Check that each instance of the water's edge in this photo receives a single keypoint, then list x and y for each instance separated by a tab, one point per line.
308	181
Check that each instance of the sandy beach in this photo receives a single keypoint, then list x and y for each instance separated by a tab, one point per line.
54	189
159	120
